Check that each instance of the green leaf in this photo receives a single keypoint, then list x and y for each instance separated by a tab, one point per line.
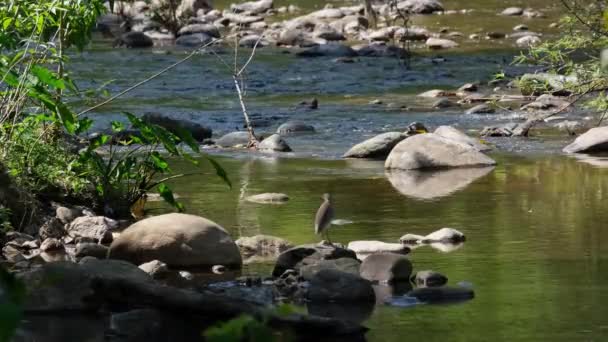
166	193
159	162
219	170
117	126
83	125
47	77
67	117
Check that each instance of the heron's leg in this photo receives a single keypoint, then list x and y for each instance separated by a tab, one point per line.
327	233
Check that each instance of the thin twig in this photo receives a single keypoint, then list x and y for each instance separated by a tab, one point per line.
138	84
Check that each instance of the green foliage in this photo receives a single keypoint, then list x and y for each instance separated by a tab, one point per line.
248	328
575	53
5	219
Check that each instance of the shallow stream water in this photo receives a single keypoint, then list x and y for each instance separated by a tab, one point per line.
534	224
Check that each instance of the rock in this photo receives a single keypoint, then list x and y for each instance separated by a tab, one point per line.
241	19
520	27
302	255
328	50
135	39
51	244
386	267
186	275
445	235
176	126
52	228
177	240
372	247
208	29
189	8
377	147
331	285
452	133
270	197
545	102
381	50
481	109
468	87
295	126
528	41
411	239
251	40
420	6
506	130
12	254
429	151
429	279
435	93
274	143
426	185
568	126
219	269
594	140
67	215
194	40
252	7
155	268
262	246
328	33
442	103
74	289
98	228
347	265
439	43
512	11
411	33
442	294
233	139
495	35
327	13
91	249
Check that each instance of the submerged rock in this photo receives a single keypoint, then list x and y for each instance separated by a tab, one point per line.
429	278
295	126
377	147
594	140
439	43
386	267
174	126
328	50
431	151
446	235
512	11
269	197
481	109
177	240
442	294
330	285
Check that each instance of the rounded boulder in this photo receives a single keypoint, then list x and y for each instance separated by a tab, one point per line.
177	240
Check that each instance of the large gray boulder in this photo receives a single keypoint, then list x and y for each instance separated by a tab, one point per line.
454	134
274	143
233	139
377	147
177	240
67	286
303	255
253	7
420	6
386	267
97	228
594	140
194	40
208	29
427	185
197	131
431	151
330	285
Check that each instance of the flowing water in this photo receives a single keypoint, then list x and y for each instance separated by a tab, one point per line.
534	224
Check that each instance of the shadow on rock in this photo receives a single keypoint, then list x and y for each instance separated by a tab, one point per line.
426	185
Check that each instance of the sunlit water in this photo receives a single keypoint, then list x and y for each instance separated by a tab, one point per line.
534	224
